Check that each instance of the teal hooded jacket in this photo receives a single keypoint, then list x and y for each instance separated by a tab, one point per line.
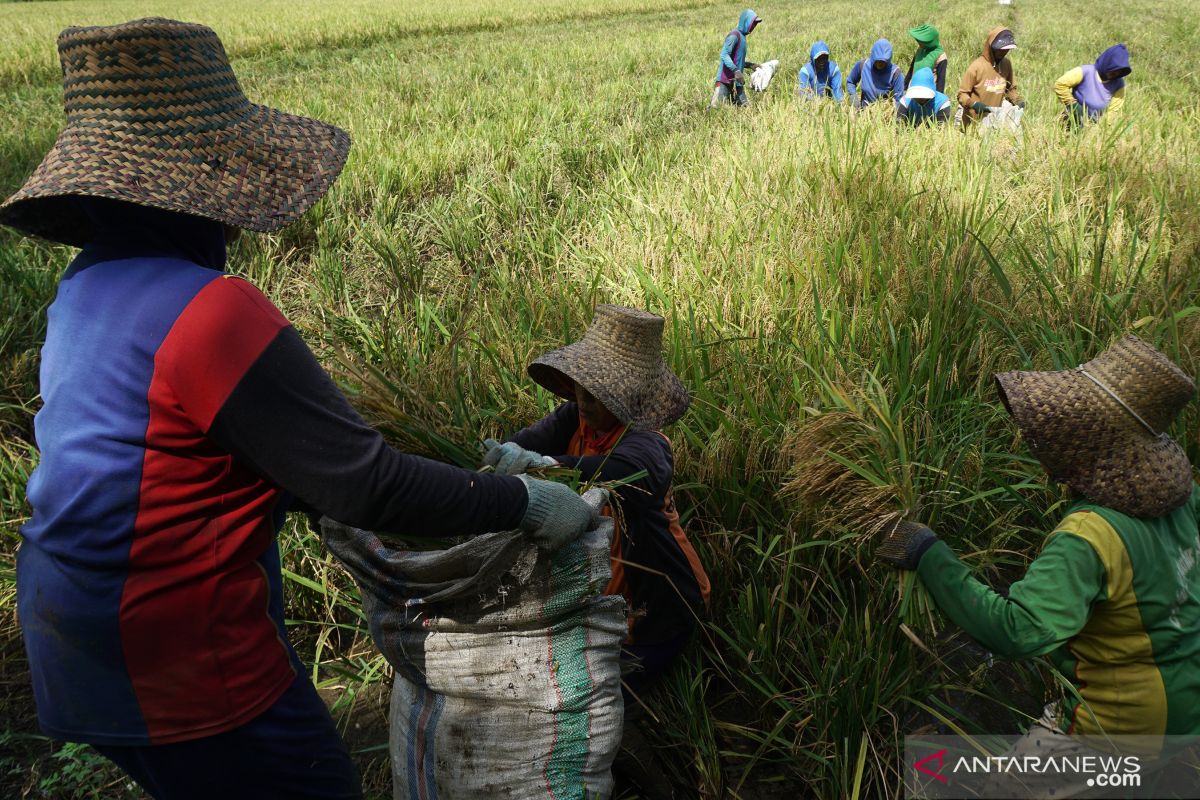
733	51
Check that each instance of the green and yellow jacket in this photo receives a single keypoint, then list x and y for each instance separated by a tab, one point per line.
1114	601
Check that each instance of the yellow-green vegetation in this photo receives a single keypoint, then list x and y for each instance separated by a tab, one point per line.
838	295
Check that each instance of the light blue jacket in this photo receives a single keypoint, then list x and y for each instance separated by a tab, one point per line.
815	84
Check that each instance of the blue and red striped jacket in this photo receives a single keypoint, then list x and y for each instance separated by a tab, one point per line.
181	414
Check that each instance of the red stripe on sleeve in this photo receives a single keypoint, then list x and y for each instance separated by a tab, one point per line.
216	339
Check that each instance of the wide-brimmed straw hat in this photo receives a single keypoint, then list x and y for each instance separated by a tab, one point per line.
619	361
1100	428
155	116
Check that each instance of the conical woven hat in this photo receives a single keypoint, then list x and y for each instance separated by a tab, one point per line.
155	116
1100	428
619	360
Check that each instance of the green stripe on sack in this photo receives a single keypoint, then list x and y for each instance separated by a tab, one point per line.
568	647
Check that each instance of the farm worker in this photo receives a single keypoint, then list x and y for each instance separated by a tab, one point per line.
820	77
730	82
929	54
182	417
1114	596
989	79
876	77
922	103
619	393
1095	90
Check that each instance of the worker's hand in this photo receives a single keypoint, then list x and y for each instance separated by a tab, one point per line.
905	543
1020	104
738	76
981	108
556	515
510	458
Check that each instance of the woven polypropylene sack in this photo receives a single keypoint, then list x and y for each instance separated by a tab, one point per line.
507	663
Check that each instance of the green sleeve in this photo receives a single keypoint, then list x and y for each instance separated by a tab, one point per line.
1043	610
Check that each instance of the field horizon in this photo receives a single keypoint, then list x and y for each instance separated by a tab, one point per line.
838	294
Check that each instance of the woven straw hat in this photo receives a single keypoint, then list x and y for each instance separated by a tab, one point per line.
1100	428
619	360
155	116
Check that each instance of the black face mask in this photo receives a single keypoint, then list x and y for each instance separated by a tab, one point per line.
132	229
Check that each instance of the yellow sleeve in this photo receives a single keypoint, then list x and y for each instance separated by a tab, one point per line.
1068	81
1114	105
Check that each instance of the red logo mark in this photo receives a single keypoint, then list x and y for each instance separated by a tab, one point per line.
940	758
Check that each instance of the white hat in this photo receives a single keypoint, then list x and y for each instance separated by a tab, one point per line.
920	93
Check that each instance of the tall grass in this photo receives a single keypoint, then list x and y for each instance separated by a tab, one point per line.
838	294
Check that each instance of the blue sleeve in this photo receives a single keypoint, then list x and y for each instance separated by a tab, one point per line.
835	83
727	52
855	77
897	85
803	84
550	435
637	451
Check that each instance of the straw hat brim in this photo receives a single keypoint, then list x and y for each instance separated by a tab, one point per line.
647	402
259	173
1141	475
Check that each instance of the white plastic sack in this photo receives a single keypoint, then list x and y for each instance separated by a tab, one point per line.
760	79
1005	117
507	670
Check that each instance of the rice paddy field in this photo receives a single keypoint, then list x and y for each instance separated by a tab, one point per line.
838	294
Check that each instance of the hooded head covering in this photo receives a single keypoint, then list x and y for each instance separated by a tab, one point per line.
1114	59
819	49
748	21
923	86
882	51
929	46
998	38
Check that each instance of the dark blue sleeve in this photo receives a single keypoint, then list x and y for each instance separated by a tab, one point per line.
637	451
287	420
550	435
855	75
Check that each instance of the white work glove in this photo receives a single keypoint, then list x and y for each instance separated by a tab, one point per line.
510	458
556	515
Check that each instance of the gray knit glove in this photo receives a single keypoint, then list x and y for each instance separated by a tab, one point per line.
556	515
905	543
512	459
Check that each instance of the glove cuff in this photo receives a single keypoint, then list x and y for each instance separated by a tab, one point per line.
537	508
920	544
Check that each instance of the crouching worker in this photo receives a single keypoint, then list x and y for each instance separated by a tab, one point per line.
929	54
923	104
730	83
1094	90
876	77
989	80
182	416
821	77
1114	596
619	394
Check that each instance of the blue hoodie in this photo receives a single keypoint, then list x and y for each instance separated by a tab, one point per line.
820	83
868	84
733	51
915	112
